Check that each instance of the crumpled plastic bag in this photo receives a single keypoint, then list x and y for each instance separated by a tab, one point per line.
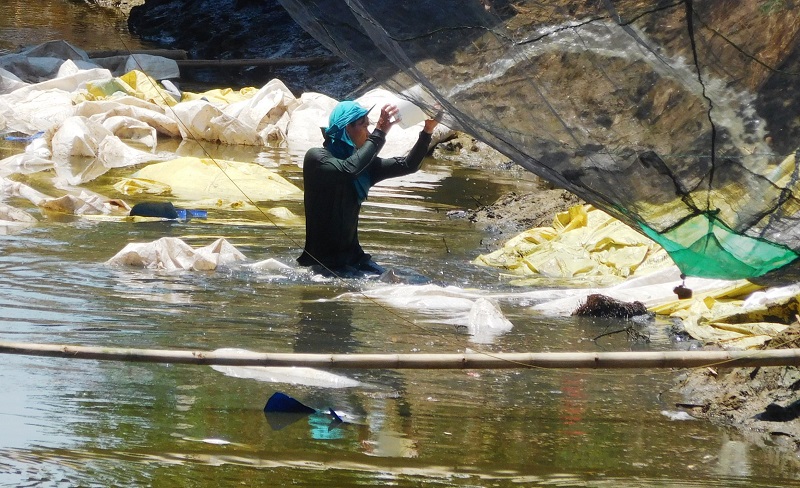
172	254
480	314
24	163
13	220
12	214
486	321
84	203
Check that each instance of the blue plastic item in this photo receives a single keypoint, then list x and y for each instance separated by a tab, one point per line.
24	138
184	214
281	402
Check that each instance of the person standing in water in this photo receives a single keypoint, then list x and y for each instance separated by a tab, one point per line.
337	178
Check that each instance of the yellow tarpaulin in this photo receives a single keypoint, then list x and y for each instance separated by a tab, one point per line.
192	179
584	244
222	95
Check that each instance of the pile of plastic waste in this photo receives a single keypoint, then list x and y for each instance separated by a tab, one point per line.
83	117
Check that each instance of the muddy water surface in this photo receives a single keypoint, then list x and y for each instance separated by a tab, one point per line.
90	423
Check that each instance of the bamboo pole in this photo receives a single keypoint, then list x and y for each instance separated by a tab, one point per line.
242	63
551	360
181	58
175	54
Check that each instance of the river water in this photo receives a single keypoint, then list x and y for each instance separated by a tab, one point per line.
92	423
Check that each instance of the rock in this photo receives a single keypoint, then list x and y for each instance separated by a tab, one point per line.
602	306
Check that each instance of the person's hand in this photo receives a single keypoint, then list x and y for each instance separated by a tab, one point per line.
430	124
388	117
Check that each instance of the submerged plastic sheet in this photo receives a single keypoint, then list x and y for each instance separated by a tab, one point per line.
677	118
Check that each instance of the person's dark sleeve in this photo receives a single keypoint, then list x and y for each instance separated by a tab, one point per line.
401	166
354	165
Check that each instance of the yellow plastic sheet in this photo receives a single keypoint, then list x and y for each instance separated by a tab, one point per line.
729	318
134	83
584	245
588	247
222	95
193	179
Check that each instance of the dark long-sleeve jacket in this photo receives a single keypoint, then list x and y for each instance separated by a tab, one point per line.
331	200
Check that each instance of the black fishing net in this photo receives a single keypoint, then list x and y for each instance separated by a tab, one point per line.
678	118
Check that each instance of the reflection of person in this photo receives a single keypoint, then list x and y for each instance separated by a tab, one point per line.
324	326
337	178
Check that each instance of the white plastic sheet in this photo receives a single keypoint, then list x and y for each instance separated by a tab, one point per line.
486	321
293	375
476	310
172	254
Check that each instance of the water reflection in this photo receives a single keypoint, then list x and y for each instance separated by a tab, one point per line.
324	325
23	24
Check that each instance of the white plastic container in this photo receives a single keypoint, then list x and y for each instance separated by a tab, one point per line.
410	114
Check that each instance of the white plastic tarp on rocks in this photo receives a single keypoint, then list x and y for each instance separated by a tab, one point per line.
172	254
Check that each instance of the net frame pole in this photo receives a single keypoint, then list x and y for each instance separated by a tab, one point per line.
472	360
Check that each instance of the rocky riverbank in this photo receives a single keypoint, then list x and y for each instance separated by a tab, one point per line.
239	29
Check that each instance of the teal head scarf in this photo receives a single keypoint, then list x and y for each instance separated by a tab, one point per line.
338	142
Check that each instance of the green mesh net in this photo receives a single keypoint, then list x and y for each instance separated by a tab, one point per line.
680	118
